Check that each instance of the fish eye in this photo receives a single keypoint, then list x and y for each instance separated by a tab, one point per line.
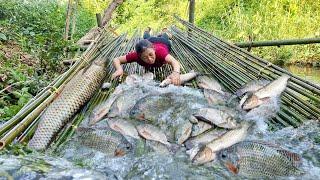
223	155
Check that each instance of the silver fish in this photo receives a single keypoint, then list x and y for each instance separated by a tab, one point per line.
204	138
206	82
124	127
103	108
251	86
226	140
184	78
263	95
199	128
220	117
126	100
215	98
183	132
150	132
158	147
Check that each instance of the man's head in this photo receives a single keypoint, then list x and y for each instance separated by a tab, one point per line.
146	52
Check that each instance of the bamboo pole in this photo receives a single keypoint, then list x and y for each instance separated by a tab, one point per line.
278	42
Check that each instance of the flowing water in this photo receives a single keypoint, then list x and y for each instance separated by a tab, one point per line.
74	162
304	140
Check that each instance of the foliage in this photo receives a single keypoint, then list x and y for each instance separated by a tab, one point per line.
18	81
33	29
237	20
36	27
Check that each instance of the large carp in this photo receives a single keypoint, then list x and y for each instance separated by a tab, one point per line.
75	94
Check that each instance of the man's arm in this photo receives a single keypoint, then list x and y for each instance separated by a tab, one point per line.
117	65
175	75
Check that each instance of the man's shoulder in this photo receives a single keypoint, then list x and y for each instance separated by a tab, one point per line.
132	56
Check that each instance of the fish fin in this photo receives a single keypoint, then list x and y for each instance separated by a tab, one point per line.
265	99
117	128
231	167
291	156
145	133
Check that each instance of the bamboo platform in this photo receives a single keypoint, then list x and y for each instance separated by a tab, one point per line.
196	50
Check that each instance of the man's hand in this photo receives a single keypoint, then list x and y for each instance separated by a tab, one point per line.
117	74
175	78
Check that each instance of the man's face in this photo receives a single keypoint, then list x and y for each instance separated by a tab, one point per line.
148	56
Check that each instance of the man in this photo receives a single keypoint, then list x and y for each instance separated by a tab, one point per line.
151	52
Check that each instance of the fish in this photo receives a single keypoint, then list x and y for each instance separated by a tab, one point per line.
184	78
264	111
183	132
158	147
150	132
103	108
104	140
199	128
121	107
251	86
226	140
151	106
224	118
204	138
216	98
193	144
260	160
206	82
263	95
193	119
75	94
124	127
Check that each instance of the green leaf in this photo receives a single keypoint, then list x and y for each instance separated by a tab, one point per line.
3	37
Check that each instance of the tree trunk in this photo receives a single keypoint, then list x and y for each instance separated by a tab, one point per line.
108	12
191	11
67	28
74	18
99	21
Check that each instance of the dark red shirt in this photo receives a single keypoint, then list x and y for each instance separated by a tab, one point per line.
161	51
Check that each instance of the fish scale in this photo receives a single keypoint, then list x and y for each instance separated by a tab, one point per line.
75	94
254	159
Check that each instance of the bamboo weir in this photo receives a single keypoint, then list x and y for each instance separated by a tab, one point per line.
196	50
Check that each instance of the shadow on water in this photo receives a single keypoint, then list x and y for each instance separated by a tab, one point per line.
311	74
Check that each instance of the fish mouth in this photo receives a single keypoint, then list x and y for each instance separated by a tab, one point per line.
250	103
203	156
141	117
119	153
231	167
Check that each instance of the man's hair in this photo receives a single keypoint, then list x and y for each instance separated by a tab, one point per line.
142	45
